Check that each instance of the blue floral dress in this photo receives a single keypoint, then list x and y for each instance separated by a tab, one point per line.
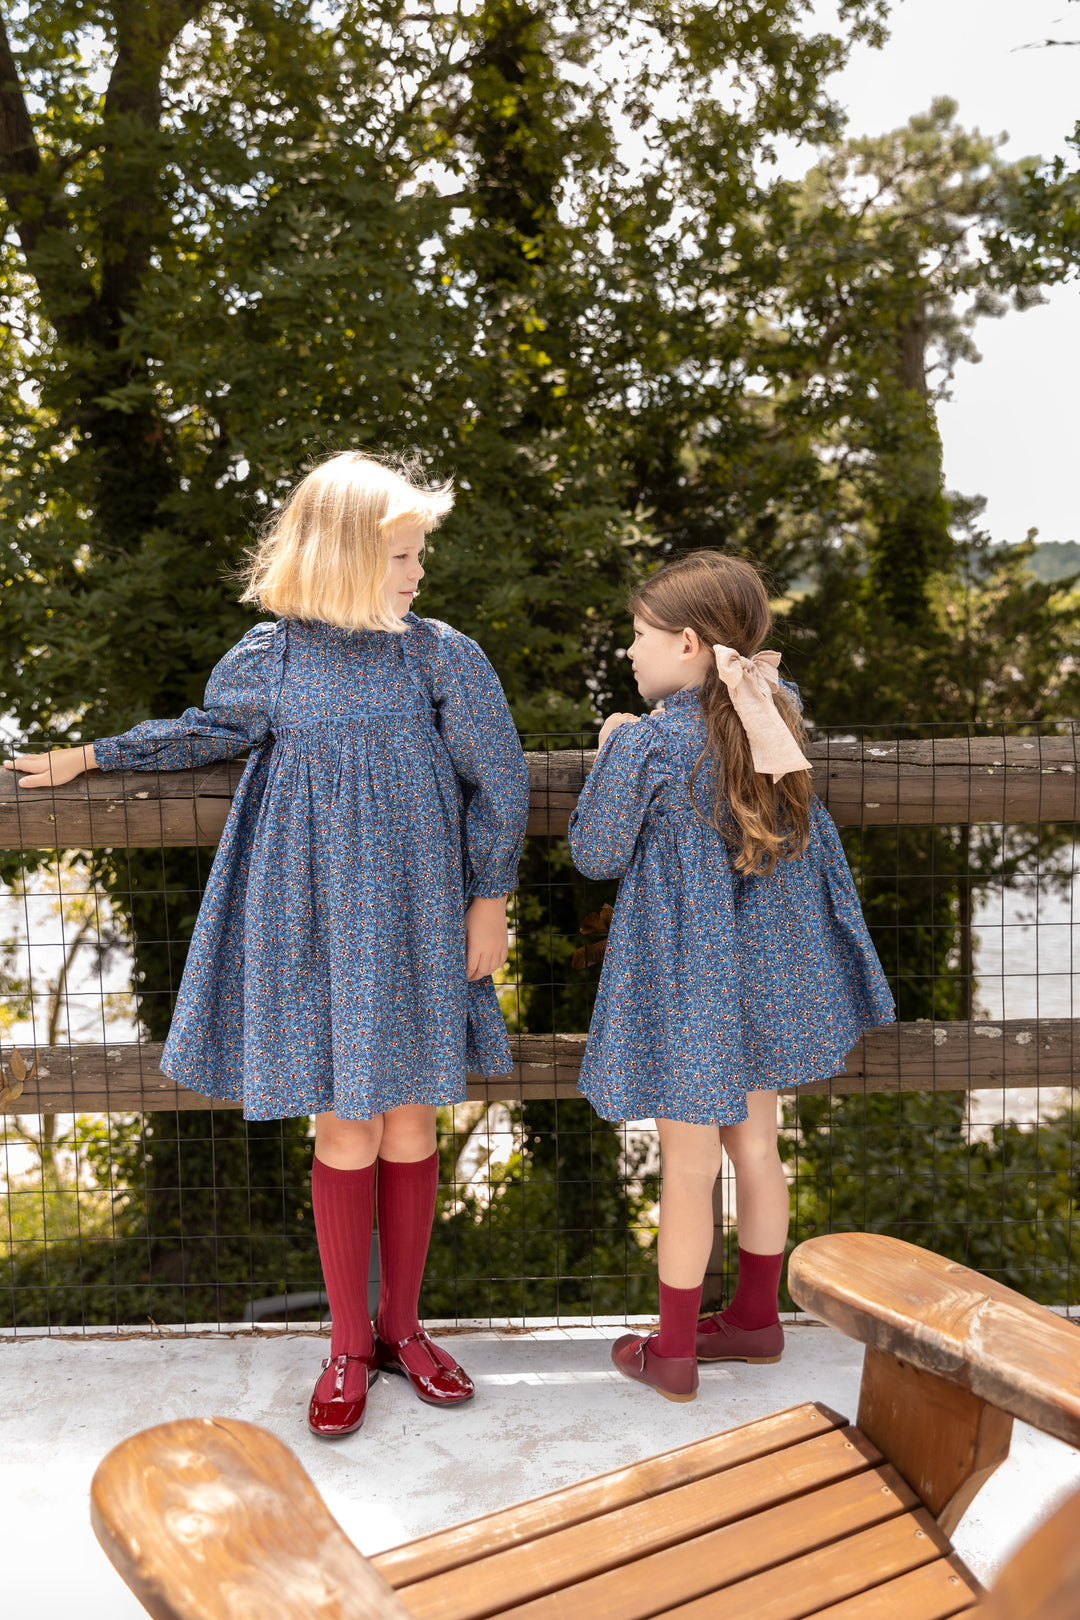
385	789
713	984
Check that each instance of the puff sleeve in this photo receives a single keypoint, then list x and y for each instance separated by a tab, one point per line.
630	773
237	714
479	734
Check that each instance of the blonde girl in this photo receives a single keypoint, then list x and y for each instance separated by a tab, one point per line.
737	962
342	959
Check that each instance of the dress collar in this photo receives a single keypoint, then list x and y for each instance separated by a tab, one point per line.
689	697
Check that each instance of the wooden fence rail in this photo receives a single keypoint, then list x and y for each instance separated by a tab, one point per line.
978	1056
944	781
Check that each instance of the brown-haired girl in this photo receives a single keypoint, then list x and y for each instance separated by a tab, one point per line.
356	910
738	961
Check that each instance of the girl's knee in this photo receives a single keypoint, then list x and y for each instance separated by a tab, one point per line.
347	1144
690	1149
756	1136
408	1133
753	1154
751	1149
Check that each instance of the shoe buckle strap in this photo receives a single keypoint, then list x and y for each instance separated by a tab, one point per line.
341	1364
424	1340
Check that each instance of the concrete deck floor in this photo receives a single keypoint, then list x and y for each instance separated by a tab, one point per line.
549	1410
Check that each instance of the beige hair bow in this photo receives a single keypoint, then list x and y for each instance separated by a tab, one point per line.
751	683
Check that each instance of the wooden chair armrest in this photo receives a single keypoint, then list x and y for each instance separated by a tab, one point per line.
214	1519
942	1318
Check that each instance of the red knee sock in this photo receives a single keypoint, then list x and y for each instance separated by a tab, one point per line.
405	1195
343	1202
679	1309
755	1303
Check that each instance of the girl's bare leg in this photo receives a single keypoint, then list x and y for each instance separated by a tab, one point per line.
691	1159
667	1361
761	1192
408	1134
402	1135
761	1188
348	1144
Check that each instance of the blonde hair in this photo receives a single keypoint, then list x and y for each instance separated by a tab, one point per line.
723	600
325	553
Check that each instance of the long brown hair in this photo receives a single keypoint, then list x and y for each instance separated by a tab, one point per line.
723	600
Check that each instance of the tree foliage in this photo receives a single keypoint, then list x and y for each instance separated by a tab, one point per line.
1002	1201
545	243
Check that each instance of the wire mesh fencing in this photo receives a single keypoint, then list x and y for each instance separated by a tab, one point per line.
127	1200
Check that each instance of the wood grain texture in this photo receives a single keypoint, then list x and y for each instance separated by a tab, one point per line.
520	1574
948	780
214	1519
944	1319
934	1592
858	1565
1042	1580
120	809
943	781
719	1558
979	1056
945	1441
641	1481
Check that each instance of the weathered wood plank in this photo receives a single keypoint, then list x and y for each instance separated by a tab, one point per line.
120	809
941	1318
945	1441
213	1518
518	1575
984	1056
709	1562
946	780
861	1563
530	1521
935	1591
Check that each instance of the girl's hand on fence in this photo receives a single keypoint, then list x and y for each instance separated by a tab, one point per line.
487	943
59	765
613	722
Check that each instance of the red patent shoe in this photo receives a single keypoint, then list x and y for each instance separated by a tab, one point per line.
441	1382
718	1340
333	1416
673	1377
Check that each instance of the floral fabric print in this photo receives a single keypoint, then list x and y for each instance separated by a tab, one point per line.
386	787
713	984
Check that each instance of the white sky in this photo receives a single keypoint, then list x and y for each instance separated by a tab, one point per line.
1012	428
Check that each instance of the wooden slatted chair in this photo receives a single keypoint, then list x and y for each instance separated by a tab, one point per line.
800	1514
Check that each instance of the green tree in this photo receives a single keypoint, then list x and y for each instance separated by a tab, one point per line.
1003	1203
515	1248
284	227
889	255
237	236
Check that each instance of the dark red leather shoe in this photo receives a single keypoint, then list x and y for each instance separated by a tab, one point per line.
440	1383
673	1377
333	1416
718	1340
